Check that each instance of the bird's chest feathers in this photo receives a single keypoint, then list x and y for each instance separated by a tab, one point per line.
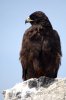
37	40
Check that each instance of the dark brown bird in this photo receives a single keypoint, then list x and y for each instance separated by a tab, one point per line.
40	54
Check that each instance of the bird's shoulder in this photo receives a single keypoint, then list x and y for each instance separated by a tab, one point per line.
56	35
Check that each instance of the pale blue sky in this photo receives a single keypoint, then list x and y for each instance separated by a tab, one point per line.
12	16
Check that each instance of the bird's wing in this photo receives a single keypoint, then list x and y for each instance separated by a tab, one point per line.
57	42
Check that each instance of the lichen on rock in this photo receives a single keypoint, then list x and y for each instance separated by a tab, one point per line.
42	88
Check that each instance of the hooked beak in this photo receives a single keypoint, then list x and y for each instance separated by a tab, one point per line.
28	20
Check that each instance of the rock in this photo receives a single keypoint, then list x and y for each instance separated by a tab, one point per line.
42	88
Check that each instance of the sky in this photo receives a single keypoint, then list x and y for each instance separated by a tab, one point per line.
12	27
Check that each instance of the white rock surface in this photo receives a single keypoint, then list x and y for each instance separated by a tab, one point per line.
42	88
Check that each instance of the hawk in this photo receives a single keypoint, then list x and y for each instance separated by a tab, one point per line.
40	53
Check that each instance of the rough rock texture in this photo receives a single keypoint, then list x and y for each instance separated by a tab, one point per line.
42	88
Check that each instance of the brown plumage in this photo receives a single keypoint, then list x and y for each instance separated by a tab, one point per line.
40	54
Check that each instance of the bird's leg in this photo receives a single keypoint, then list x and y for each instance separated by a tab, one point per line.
37	67
36	64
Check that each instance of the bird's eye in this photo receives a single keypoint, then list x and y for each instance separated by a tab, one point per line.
33	17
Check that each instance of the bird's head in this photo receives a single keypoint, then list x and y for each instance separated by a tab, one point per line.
38	18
